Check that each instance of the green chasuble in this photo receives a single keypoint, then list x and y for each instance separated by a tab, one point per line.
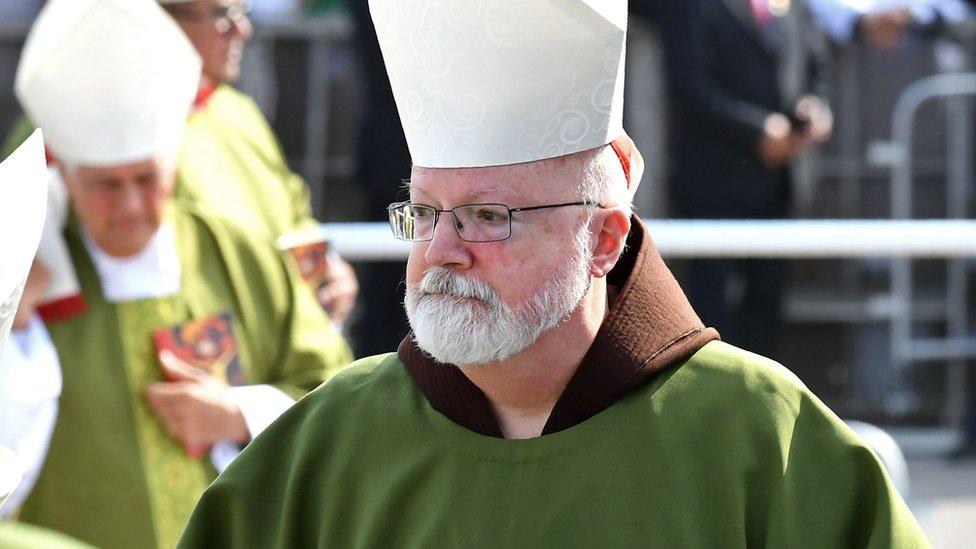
726	449
232	163
19	132
113	477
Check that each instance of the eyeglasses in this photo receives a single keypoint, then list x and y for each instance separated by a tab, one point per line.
473	222
223	17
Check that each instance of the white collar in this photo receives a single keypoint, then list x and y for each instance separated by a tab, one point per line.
151	273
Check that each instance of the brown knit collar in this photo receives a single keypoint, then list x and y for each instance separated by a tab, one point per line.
650	327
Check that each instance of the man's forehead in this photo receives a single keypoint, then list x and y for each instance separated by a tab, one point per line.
531	180
208	4
140	167
440	188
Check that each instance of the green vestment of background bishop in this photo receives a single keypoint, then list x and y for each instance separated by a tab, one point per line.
113	477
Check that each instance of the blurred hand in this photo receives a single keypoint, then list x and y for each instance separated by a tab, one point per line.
37	281
338	295
884	30
777	146
195	408
818	118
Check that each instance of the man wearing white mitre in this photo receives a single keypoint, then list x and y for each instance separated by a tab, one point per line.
557	389
110	82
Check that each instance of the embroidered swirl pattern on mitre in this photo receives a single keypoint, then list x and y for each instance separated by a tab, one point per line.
501	82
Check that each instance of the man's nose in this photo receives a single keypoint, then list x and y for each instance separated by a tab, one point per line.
446	249
129	199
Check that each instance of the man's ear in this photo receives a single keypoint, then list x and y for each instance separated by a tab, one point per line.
611	236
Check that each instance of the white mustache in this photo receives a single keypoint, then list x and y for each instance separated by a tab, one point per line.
441	281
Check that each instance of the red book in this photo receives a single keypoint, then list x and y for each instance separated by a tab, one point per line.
207	344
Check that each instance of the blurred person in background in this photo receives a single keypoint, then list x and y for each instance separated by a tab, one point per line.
883	24
111	83
231	162
229	141
745	76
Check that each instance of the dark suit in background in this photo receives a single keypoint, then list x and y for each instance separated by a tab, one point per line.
727	73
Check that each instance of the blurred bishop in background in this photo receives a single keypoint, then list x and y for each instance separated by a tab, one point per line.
111	83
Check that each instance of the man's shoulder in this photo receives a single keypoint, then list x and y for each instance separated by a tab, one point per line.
230	103
225	95
233	116
720	375
364	386
735	367
366	397
755	406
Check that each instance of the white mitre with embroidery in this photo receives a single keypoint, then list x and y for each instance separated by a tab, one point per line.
23	200
498	82
111	82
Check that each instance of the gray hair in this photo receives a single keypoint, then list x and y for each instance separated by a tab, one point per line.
602	180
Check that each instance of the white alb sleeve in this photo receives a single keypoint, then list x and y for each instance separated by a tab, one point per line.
30	385
260	405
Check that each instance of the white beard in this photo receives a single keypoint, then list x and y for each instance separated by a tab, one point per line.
458	320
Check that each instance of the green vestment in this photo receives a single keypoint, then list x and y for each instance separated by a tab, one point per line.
113	477
232	163
726	449
19	132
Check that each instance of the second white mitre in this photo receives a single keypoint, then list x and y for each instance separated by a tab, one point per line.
499	82
110	81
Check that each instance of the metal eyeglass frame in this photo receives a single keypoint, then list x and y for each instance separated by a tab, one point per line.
392	208
223	17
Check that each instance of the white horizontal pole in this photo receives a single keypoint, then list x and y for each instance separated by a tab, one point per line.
799	239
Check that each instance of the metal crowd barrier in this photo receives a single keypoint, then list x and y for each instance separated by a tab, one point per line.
957	345
800	239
